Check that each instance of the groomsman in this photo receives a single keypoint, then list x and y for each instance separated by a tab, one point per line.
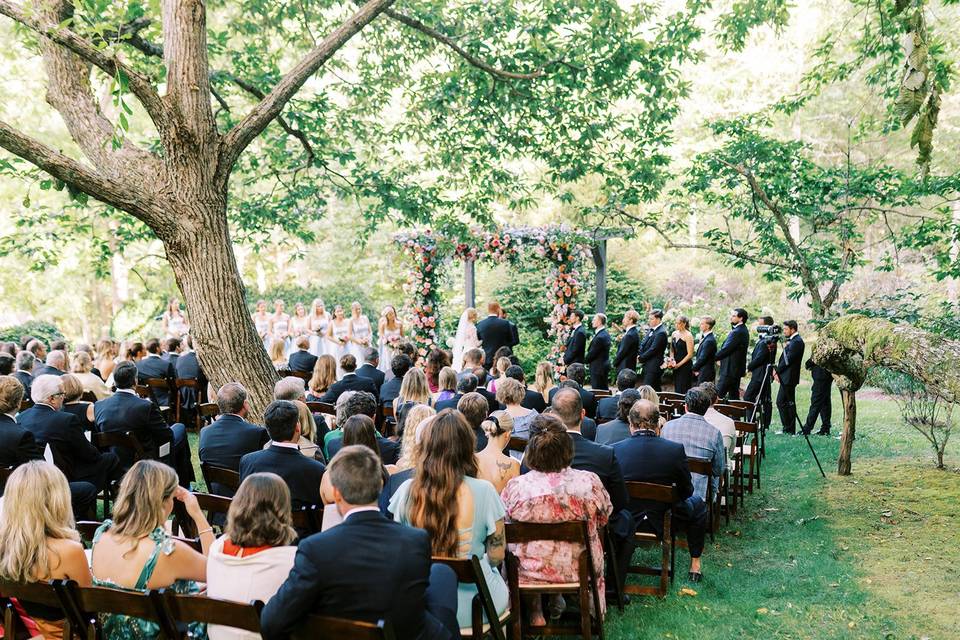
598	356
704	366
788	375
758	390
733	356
626	357
652	349
577	342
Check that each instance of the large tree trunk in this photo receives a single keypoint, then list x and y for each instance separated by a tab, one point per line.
849	399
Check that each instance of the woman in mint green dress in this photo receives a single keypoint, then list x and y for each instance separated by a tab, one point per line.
133	552
463	515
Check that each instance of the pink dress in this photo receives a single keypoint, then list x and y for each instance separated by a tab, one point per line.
565	496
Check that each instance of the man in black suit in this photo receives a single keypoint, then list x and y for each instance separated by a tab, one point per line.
575	350
820	403
79	460
576	376
152	366
367	568
704	362
370	371
39	351
629	348
187	367
652	349
532	399
618	428
646	457
607	407
125	411
495	332
732	356
301	473
231	437
761	375
302	360
598	356
56	364
472	358
24	371
482	378
399	365
349	382
361	403
787	374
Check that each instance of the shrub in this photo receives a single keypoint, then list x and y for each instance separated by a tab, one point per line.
43	330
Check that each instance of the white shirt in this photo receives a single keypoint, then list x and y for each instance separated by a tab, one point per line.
359	509
288	445
726	426
130	391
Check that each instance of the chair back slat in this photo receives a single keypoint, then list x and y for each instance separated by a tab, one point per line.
36	592
517	444
213	474
123	439
701	466
322	407
387	411
731	411
469	571
307	518
88	602
521	532
185	609
315	626
745	427
88	396
651	491
211	503
87	528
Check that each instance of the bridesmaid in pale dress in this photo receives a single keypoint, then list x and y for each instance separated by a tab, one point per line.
361	333
390	331
261	320
280	324
299	326
319	319
338	334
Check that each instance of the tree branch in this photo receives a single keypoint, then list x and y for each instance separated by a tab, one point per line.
270	107
188	82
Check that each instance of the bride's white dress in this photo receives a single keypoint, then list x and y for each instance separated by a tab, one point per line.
465	340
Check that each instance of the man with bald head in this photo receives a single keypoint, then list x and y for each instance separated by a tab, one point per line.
56	364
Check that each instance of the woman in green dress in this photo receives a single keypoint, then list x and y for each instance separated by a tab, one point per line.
133	552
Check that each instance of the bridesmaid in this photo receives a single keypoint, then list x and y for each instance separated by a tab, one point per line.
280	324
361	333
338	333
681	356
174	322
319	319
390	331
299	326
261	319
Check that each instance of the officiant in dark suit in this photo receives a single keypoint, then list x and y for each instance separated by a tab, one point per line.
652	349
626	357
495	332
575	350
598	356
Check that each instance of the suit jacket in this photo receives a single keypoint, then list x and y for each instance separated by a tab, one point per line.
156	367
491	399
613	431
607	407
644	457
349	382
576	346
26	379
733	354
125	411
390	390
652	348
367	568
17	445
372	373
171	357
73	453
47	370
302	474
757	366
449	403
494	333
302	361
601	460
389	450
188	367
628	350
533	399
587	399
598	356
791	361
588	428
705	360
227	440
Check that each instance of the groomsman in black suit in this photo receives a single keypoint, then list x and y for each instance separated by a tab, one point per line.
598	356
495	332
733	356
758	389
788	375
626	357
652	349
577	342
704	363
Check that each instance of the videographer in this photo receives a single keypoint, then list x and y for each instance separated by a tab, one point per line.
787	373
760	366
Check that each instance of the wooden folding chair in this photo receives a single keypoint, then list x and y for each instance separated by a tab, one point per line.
180	384
666	495
107	440
731	411
747	450
209	503
315	626
25	404
322	407
87	528
517	444
220	476
308	519
207	412
469	571
87	602
601	393
705	467
182	610
144	391
671	396
386	421
303	375
586	587
42	593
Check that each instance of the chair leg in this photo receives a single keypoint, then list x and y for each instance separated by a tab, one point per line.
586	627
750	483
614	569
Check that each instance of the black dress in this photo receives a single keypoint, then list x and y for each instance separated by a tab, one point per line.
79	409
682	375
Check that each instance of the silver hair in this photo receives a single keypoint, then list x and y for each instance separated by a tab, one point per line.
231	397
57	359
341	407
290	388
45	386
25	361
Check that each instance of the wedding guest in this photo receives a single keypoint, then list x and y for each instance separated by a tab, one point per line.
307	444
349	382
437	359
493	466
171	351
255	554
543	380
699	438
174	323
319	320
553	491
82	370
261	320
39	351
55	365
626	358
413	390
531	399
153	366
7	363
360	403
498	373
704	365
420	433
277	356
134	352
607	408
358	429
230	436
681	356
462	514
41	543
324	375
10	349
475	412
598	355
106	357
619	428
446	385
390	332
134	552
482	381
732	356
652	348
724	424
466	384
371	371
495	332
416	415
301	359
72	403
576	375
187	367
576	346
472	358
510	395
407	348
391	388
466	340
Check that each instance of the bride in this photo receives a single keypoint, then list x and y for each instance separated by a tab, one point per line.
466	337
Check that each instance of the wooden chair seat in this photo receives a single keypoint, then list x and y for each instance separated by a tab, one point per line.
219	475
315	626
469	572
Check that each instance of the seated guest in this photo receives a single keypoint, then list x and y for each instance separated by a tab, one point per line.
498	373
230	436
366	568
399	365
370	369
282	457
39	351
396	480
56	365
447	385
475	412
531	399
543	381
77	458
699	438
277	355
307	443
494	467
437	359
41	543
413	391
301	359
134	552
125	411
187	367
24	371
588	426
255	554
510	394
724	424
135	352
608	408
83	369
462	514
7	363
349	382
472	358
291	388
362	404
324	375
553	491
619	429
645	457
490	397
72	390
358	429
105	358
152	366
10	349
415	416
171	351
576	374
465	384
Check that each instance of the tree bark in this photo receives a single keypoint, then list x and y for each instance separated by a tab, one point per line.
844	462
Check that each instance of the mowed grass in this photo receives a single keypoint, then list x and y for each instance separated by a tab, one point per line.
873	555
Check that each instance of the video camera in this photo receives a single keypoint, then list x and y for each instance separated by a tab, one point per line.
771	333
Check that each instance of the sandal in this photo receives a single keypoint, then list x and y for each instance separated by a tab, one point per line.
695	576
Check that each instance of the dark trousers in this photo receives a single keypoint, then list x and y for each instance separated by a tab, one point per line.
691	516
107	468
787	406
180	455
441	596
754	393
651	374
707	375
820	405
728	388
598	381
83	496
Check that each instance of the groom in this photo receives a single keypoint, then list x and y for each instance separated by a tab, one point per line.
495	332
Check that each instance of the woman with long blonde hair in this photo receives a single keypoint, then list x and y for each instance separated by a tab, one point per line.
414	390
543	380
307	428
38	541
416	415
324	375
106	359
278	354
